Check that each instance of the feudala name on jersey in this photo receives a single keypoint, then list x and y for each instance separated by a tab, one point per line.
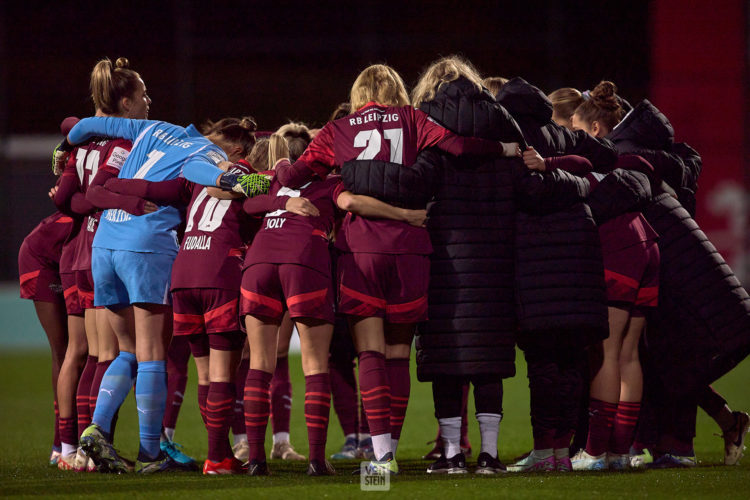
201	242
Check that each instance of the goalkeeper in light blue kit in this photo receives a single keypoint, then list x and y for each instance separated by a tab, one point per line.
131	264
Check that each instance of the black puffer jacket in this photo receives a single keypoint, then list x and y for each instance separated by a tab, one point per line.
701	328
619	192
533	112
472	313
559	270
472	322
646	132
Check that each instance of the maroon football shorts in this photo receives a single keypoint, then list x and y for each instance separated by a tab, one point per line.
632	275
268	289
85	284
211	311
70	292
200	343
392	287
39	277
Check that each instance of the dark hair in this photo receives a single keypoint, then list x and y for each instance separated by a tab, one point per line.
236	130
342	110
110	83
602	106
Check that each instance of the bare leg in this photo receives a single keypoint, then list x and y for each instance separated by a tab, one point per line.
315	342
631	375
75	357
54	321
223	365
286	328
153	331
89	317
202	366
606	383
122	322
263	337
368	334
398	337
53	318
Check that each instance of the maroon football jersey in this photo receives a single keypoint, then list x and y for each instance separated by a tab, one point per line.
287	238
395	134
86	161
46	239
213	247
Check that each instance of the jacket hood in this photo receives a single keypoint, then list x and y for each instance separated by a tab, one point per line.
521	98
646	127
466	110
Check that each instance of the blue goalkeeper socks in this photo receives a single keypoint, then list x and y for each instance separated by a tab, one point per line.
151	400
115	386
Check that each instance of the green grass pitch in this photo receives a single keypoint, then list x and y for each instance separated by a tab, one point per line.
26	434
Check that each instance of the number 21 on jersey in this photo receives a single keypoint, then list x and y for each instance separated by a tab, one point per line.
372	141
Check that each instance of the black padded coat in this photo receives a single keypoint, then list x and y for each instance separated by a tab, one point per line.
701	327
472	312
559	270
646	132
532	110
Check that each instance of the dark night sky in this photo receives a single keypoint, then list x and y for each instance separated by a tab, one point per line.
281	60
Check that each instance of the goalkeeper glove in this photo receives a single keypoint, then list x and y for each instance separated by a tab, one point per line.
60	156
248	184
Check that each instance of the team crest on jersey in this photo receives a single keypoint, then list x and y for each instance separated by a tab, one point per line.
118	157
215	157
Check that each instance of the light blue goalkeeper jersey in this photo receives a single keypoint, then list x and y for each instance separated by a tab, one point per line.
161	151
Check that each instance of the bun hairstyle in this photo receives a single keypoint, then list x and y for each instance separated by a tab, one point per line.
378	83
297	137
565	101
236	130
110	83
439	73
602	105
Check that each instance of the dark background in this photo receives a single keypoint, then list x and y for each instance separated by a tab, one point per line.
281	60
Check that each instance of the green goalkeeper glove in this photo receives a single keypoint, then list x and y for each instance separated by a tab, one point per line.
248	184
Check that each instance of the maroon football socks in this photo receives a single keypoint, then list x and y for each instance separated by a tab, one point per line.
83	394
238	422
257	410
376	393
317	409
96	382
601	419
344	394
623	429
399	380
202	399
219	412
281	397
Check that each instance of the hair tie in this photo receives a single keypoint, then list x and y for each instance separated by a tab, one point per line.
586	94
